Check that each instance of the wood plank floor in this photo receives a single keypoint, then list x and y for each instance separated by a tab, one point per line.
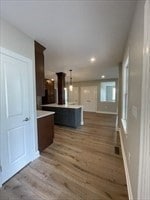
79	165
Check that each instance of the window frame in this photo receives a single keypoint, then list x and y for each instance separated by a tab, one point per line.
107	81
125	94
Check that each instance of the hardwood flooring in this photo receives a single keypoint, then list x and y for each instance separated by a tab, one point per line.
79	165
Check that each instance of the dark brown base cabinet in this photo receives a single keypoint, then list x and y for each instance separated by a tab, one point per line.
45	131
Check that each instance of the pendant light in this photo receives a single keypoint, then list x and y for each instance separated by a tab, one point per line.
70	85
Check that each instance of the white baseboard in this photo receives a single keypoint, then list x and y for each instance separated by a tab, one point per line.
103	112
130	194
82	123
36	155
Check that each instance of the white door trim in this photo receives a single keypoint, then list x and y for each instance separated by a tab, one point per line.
33	128
144	162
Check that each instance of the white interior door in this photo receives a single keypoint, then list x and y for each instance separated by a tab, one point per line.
89	98
74	96
15	129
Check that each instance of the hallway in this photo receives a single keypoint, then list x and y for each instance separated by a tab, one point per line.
81	164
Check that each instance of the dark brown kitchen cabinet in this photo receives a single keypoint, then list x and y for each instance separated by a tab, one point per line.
39	68
45	131
50	93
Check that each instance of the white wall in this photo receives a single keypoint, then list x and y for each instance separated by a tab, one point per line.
110	107
131	141
16	41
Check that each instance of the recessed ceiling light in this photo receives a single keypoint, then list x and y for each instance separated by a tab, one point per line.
92	59
103	76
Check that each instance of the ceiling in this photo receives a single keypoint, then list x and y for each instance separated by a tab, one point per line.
74	31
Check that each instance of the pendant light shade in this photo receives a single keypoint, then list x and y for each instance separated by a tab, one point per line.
70	85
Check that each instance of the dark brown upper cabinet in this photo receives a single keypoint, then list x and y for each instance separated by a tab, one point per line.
39	68
50	92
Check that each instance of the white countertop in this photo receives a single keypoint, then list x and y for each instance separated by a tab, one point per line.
43	113
63	106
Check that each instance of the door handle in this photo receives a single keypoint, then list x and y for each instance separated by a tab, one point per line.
26	119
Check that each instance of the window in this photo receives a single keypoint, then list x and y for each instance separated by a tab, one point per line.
108	91
125	76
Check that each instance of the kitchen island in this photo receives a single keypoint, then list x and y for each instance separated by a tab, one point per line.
67	115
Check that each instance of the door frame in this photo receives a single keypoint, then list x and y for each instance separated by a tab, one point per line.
32	106
144	162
